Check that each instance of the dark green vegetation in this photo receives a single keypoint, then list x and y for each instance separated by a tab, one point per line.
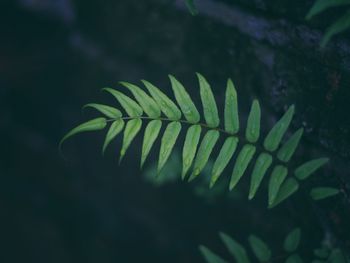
57	54
160	110
340	25
156	108
262	252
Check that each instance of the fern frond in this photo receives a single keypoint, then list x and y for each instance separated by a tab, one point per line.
262	252
340	25
155	109
321	5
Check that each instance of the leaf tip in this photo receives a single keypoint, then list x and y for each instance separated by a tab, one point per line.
193	175
121	157
211	184
251	195
199	76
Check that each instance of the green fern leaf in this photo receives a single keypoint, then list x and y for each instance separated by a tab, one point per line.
184	100
129	105
278	176
210	256
157	103
190	148
116	127
208	101
253	124
108	111
318	193
231	109
204	151
292	240
242	162
337	27
169	138
131	130
295	258
223	159
260	249
288	148
166	105
92	125
236	250
149	106
151	133
289	187
308	168
263	163
321	5
274	137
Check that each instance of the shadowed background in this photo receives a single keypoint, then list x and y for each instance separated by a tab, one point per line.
56	55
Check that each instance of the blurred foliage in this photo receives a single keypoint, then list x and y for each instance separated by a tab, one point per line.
191	7
263	253
340	25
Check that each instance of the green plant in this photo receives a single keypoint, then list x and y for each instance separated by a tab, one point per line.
340	25
196	150
191	7
263	253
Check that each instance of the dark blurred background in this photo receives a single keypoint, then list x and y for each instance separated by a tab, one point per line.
56	55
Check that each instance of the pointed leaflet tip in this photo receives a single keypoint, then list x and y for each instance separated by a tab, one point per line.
235	248
260	248
184	100
252	132
108	111
204	151
131	130
116	127
292	240
210	110
318	193
308	168
210	256
277	178
121	157
242	162
289	187
166	105
149	106
132	108
224	157
190	147
92	125
287	150
193	176
151	133
261	165
274	137
231	109
168	141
